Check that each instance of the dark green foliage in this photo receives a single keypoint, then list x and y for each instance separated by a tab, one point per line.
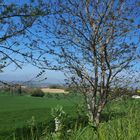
56	86
37	92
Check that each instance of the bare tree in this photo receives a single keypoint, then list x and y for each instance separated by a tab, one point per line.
95	42
15	21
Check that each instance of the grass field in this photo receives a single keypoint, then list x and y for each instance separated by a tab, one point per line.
123	123
121	118
15	111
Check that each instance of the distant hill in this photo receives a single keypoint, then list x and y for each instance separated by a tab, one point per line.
31	83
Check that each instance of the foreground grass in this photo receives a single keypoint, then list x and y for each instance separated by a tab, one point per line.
16	111
120	119
123	127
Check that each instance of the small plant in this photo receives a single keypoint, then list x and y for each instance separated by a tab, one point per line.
33	128
59	116
31	122
60	119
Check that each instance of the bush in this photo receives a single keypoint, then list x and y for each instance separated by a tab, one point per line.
56	86
37	92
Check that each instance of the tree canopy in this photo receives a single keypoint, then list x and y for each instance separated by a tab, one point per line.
94	42
15	21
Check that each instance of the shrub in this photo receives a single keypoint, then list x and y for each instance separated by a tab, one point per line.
49	95
36	92
56	86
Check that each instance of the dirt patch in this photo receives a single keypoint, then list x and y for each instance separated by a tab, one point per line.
49	90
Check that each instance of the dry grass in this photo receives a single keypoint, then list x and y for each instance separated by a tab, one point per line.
49	90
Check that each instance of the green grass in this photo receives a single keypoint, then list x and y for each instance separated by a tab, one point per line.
120	119
122	123
15	111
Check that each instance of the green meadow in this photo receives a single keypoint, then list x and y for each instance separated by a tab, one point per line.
120	118
16	111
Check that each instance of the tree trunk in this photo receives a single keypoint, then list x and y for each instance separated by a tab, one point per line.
90	113
94	112
94	118
97	116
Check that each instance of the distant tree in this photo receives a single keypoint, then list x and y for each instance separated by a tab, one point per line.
36	92
95	43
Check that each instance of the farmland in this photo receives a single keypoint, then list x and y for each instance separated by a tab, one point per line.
16	111
49	90
69	70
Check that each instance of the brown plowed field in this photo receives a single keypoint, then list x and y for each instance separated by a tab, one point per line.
49	90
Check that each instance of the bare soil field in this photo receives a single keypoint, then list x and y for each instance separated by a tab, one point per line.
49	90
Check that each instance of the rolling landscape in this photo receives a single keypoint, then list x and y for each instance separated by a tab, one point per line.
20	113
70	70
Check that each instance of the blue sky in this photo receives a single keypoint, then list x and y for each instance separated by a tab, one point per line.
28	72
